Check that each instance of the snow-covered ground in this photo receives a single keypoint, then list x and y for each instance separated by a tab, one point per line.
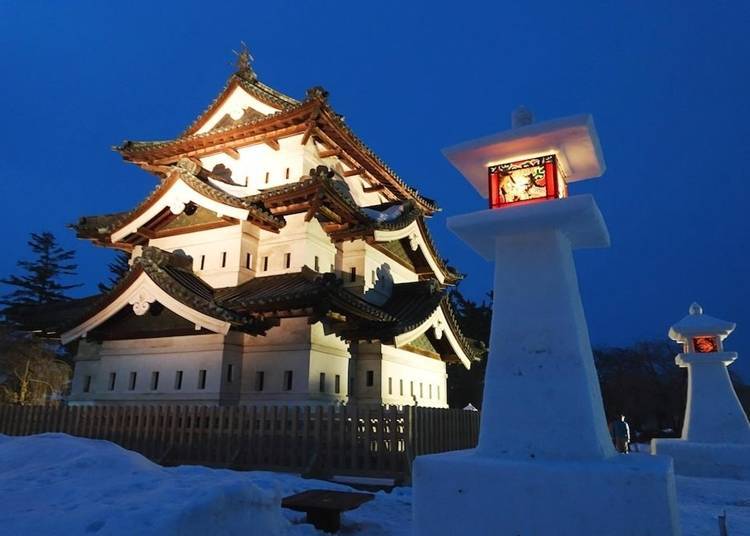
57	484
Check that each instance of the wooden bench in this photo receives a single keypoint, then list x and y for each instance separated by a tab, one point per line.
324	507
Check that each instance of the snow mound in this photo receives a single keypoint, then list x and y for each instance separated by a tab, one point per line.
55	484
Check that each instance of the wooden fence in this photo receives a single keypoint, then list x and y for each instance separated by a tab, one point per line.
317	441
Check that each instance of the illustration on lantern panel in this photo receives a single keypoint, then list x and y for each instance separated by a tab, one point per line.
704	345
533	178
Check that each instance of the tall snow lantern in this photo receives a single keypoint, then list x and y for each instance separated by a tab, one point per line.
543	428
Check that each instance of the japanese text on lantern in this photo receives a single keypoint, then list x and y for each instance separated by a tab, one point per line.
524	180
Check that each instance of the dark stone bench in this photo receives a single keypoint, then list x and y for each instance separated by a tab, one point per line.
324	507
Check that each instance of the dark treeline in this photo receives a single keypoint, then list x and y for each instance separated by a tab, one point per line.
641	381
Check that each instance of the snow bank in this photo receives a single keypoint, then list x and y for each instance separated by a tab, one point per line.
55	483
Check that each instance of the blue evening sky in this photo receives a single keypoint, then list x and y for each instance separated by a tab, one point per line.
667	83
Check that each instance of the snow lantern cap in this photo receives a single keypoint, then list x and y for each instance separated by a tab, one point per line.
697	324
573	140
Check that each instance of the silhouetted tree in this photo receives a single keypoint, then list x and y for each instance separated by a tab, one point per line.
643	383
117	268
30	369
467	386
40	284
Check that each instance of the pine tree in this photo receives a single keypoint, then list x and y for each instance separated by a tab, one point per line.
117	268
41	282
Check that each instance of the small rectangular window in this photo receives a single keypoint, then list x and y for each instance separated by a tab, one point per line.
268	176
202	379
322	383
154	380
86	384
337	384
203	262
230	373
132	380
316	265
223	259
259	380
112	380
178	380
287	174
370	378
401	387
430	392
438	392
421	392
372	277
390	385
287	380
353	274
287	260
265	264
411	388
248	260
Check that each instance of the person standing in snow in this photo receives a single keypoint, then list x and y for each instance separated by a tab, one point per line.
621	434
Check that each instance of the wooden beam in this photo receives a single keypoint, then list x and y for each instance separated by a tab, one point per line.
273	144
232	152
314	206
311	126
355	171
376	188
330	214
238	142
159	170
329	153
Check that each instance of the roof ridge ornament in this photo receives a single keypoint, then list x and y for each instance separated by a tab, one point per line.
244	59
316	93
695	309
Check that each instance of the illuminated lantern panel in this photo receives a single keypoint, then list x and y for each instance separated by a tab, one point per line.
705	345
525	180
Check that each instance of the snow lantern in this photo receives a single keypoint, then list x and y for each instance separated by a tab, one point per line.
699	333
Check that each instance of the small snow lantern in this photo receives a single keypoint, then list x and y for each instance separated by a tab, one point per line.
699	333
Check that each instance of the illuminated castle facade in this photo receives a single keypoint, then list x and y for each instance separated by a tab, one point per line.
278	260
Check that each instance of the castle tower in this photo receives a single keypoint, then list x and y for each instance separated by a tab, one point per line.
277	260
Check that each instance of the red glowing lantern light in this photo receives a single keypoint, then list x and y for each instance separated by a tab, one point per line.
705	345
525	180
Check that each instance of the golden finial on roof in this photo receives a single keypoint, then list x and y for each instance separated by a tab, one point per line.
244	58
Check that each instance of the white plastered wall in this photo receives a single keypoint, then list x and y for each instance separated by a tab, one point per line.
210	245
367	260
393	368
234	105
304	350
255	161
302	240
166	355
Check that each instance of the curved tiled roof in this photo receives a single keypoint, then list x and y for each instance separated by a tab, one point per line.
316	101
250	83
416	302
170	272
249	306
100	227
305	287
